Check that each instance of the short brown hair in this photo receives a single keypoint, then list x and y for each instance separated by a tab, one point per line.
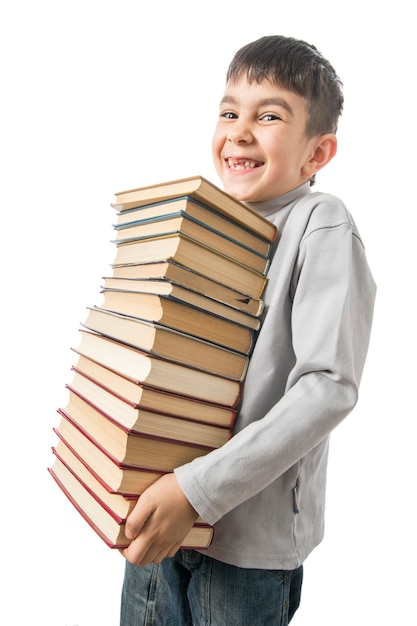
296	66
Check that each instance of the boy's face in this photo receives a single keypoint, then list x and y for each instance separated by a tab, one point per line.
260	149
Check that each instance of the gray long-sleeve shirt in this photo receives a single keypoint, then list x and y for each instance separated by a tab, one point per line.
264	490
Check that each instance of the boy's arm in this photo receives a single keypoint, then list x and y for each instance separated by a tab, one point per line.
330	327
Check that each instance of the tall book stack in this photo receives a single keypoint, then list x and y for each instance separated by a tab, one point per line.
162	357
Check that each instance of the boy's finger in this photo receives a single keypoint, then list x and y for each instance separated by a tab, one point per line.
136	520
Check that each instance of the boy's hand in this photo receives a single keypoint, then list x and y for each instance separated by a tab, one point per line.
159	522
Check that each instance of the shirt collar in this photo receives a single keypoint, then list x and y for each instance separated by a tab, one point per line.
269	207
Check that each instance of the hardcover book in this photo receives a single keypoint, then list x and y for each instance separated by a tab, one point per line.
187	318
167	343
198	213
201	234
142	420
194	255
169	271
103	520
180	294
116	477
127	446
197	188
134	392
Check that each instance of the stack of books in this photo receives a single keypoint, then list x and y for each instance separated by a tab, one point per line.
162	357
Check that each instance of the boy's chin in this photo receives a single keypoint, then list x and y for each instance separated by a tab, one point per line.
243	193
244	197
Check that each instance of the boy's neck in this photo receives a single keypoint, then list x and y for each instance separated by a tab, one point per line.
266	207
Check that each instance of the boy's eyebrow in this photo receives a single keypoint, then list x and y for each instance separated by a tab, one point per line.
262	103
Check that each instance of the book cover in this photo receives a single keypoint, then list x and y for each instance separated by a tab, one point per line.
182	294
158	373
160	400
127	446
181	316
168	344
197	212
116	477
107	525
201	234
119	505
140	420
197	257
199	188
164	271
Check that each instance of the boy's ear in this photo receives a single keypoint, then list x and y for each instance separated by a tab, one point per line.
324	149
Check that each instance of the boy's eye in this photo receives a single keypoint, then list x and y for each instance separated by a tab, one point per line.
270	117
228	115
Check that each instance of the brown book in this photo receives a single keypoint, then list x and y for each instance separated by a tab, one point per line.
128	446
116	477
197	232
197	257
168	344
142	420
124	277
186	318
108	525
121	505
181	294
196	212
155	399
200	189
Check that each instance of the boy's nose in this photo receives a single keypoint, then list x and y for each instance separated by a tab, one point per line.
240	134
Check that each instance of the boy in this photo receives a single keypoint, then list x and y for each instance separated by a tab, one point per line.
265	489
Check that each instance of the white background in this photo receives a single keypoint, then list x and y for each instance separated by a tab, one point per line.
98	97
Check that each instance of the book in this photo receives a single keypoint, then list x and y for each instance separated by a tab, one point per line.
168	344
195	231
141	420
128	446
197	257
158	373
167	402
184	295
124	277
116	477
199	213
121	505
177	315
162	359
109	526
197	188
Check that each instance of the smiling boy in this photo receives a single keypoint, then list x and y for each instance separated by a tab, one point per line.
265	489
260	146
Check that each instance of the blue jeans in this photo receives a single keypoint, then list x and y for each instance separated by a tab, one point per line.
192	589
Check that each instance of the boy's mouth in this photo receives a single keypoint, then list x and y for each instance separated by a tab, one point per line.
242	164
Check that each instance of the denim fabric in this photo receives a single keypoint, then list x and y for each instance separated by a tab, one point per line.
192	589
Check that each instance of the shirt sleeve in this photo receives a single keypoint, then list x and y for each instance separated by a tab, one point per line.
332	293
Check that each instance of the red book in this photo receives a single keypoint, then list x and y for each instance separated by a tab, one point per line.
116	477
126	446
138	394
101	516
160	373
136	419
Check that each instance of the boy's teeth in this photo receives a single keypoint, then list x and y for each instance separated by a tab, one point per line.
240	164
